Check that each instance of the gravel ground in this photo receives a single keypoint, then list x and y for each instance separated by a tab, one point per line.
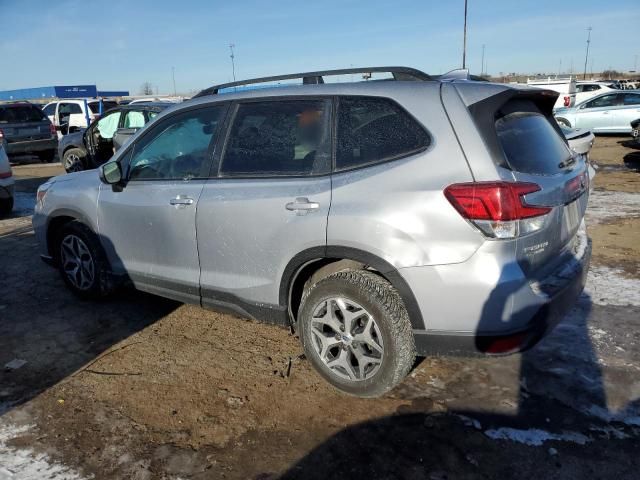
146	388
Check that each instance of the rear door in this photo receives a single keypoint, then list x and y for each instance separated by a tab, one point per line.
270	199
535	152
628	111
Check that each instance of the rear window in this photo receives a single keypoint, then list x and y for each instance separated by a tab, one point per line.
95	106
373	130
21	114
531	144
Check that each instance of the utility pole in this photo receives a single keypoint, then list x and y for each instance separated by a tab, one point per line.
560	68
482	66
586	57
635	63
173	75
233	64
464	42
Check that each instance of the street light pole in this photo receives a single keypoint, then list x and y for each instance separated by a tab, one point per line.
233	65
586	57
173	75
464	44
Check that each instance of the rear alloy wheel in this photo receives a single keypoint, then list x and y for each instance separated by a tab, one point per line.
82	262
72	160
356	332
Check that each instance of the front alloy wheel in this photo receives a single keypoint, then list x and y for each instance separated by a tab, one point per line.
77	262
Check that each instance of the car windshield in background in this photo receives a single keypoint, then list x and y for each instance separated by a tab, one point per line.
531	144
21	114
95	106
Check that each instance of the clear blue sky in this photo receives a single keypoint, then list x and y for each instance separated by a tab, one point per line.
119	44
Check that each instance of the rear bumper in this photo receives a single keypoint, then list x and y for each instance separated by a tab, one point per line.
30	146
537	308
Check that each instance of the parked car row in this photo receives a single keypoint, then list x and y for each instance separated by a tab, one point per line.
25	129
610	112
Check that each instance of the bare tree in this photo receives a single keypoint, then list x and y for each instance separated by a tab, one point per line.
146	89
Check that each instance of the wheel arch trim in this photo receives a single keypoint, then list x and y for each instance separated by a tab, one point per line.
331	253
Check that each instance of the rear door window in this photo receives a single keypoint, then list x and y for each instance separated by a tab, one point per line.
133	119
373	130
631	99
21	114
279	138
531	144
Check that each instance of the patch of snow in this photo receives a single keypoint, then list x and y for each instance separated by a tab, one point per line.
15	364
24	463
535	437
470	422
604	206
609	286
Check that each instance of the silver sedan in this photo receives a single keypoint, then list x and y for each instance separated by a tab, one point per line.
610	112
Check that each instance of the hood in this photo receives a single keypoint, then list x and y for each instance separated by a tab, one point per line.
78	177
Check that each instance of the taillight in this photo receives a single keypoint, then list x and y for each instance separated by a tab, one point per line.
498	209
52	129
567	101
5	174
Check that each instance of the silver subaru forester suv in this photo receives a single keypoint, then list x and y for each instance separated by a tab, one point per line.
380	219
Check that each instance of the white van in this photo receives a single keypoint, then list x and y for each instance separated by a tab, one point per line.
70	115
566	87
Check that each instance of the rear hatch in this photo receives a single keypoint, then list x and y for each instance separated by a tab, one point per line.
24	122
528	146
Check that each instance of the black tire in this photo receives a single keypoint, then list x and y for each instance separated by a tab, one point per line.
47	156
563	121
6	205
101	282
73	160
383	303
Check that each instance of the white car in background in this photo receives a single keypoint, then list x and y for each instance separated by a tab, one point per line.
6	183
580	141
585	90
71	115
566	87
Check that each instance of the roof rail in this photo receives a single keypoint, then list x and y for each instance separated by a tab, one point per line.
399	73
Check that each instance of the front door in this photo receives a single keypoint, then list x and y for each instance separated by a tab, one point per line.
597	114
270	201
148	227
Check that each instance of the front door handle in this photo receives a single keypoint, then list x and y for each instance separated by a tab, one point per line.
302	206
181	200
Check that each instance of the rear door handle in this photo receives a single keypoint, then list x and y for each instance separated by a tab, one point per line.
181	200
302	206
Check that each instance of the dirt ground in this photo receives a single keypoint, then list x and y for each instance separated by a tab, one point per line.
141	387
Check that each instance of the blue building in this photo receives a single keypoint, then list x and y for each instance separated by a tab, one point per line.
60	91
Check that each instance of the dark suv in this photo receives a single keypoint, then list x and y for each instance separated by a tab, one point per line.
25	129
92	147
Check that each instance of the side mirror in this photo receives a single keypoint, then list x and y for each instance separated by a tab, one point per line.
111	173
